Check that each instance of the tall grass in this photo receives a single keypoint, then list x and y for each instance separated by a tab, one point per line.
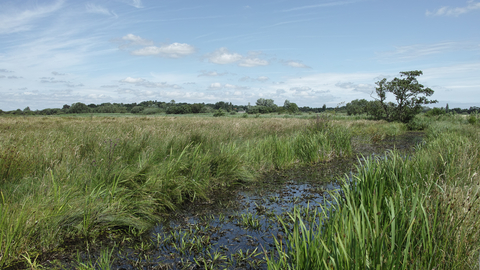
78	178
417	212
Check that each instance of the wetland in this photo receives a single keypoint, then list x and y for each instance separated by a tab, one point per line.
166	193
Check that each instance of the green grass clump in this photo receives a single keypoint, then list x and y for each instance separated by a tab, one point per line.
417	212
78	178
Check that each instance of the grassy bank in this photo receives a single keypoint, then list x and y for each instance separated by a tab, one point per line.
65	179
419	212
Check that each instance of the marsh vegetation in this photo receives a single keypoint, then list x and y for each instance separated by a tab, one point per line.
83	192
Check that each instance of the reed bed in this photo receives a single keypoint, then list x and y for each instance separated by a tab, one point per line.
398	212
70	179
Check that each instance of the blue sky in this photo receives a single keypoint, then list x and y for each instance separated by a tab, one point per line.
309	52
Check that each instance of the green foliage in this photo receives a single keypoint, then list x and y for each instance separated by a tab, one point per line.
435	112
78	108
290	107
151	111
137	109
409	94
219	113
418	123
472	118
357	106
401	213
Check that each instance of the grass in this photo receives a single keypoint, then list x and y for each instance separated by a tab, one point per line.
78	179
419	212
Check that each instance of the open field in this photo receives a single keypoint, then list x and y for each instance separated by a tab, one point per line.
75	179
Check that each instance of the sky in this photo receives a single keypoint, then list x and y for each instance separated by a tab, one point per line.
311	52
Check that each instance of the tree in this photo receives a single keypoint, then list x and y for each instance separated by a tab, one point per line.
409	95
290	106
78	108
357	106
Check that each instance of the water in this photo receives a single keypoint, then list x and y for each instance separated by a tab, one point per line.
238	228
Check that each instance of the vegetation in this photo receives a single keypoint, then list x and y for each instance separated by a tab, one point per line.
79	178
409	95
419	212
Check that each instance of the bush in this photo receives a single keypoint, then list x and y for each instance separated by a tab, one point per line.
137	109
472	119
151	111
219	113
418	123
435	112
245	115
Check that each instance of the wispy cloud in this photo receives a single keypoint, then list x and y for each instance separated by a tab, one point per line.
13	20
287	22
296	64
174	50
359	87
322	5
5	70
455	11
222	57
211	74
92	8
133	3
148	84
416	51
258	79
227	86
132	40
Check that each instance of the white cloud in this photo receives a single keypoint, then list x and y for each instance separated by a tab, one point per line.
5	70
360	87
296	64
253	62
211	73
219	86
215	86
148	84
58	74
457	11
222	57
136	40
174	50
12	21
248	79
301	89
92	8
262	78
132	80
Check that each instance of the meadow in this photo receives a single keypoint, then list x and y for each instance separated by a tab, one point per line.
70	180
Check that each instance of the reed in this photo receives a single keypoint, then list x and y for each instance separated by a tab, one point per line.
79	177
398	212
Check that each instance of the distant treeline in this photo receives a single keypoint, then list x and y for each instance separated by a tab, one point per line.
355	107
374	108
172	107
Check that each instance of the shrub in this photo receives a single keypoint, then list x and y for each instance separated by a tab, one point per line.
219	113
151	111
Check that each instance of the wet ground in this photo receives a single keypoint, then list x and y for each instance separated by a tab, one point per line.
240	227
